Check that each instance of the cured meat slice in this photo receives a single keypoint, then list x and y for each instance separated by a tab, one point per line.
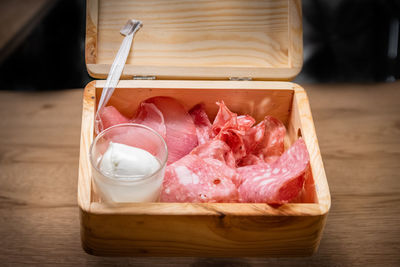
202	123
181	135
264	141
254	136
249	172
148	114
308	194
110	116
225	119
226	171
234	139
276	183
230	128
250	159
245	122
272	145
193	179
215	149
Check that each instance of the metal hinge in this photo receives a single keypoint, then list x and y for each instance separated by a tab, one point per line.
144	77
240	78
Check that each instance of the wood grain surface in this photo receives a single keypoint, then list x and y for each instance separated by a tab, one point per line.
358	128
202	38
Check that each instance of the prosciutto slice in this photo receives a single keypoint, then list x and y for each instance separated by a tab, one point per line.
194	179
110	116
276	183
148	114
202	123
181	136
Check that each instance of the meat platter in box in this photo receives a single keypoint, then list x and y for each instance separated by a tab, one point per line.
206	229
237	40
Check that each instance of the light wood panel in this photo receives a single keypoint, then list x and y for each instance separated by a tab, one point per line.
205	229
85	173
92	10
276	102
296	35
198	39
301	124
358	131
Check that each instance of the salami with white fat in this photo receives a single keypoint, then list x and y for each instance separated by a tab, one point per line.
215	149
202	123
194	179
278	182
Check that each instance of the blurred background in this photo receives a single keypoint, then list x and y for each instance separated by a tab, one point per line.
354	41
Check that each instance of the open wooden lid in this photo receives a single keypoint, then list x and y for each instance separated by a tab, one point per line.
198	39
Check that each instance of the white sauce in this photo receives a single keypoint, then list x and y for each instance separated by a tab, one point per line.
125	160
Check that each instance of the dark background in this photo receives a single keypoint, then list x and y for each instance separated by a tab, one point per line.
344	41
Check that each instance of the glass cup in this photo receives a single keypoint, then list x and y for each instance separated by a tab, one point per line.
128	187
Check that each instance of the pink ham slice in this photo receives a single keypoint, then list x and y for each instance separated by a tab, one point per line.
276	183
202	123
181	135
194	179
148	114
110	116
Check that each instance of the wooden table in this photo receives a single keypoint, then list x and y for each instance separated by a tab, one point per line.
359	133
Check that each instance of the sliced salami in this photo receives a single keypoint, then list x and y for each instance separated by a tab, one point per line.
250	159
276	183
202	123
215	149
225	119
245	122
272	145
253	137
308	193
193	179
234	139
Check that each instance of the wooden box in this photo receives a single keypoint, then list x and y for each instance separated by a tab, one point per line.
263	48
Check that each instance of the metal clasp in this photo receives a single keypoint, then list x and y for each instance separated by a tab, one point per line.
144	77
240	78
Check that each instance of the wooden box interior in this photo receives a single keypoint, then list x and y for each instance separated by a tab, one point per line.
198	39
290	229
